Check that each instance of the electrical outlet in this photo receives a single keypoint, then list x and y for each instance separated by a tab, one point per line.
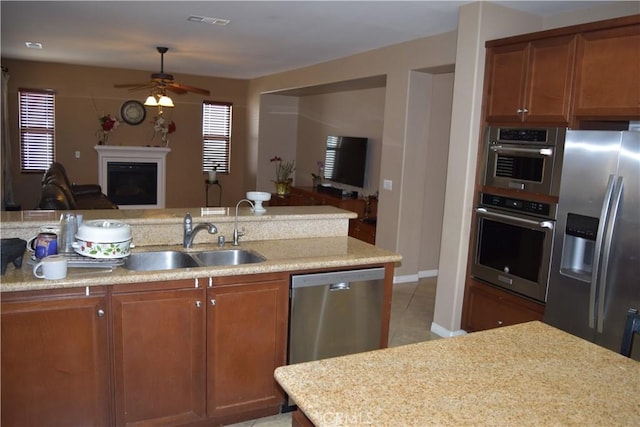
387	184
77	154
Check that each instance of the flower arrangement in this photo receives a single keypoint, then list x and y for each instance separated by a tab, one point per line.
283	169
164	127
108	124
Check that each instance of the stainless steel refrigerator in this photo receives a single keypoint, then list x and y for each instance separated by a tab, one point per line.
595	266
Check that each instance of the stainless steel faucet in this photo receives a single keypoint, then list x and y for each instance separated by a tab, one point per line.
237	234
190	231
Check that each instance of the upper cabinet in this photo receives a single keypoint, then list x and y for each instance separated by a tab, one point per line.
608	74
531	82
566	75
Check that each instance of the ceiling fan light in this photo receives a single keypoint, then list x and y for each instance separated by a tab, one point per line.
165	101
151	101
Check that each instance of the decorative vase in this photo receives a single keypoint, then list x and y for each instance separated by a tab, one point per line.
283	187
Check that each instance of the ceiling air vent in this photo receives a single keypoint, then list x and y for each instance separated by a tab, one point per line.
207	20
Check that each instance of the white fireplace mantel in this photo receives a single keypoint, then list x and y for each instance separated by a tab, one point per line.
115	153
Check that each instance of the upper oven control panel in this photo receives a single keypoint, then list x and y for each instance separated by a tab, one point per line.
527	136
518	205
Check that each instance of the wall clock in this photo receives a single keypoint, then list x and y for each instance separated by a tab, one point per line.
133	112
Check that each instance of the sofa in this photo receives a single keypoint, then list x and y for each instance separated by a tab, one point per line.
59	193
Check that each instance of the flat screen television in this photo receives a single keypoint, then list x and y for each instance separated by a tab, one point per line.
345	160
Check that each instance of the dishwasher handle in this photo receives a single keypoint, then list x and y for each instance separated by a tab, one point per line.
336	277
342	286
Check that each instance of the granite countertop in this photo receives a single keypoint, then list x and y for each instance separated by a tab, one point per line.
281	255
527	374
291	238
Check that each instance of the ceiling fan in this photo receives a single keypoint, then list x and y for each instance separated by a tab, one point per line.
162	81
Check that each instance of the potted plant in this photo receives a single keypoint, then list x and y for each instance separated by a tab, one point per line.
283	175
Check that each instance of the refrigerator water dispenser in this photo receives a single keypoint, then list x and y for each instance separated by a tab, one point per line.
579	247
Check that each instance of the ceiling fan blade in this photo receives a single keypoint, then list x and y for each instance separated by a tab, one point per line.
126	85
143	87
190	88
175	89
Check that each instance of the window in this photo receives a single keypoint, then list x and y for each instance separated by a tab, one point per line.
330	156
37	129
216	136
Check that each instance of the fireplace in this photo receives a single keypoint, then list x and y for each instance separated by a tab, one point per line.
132	183
133	177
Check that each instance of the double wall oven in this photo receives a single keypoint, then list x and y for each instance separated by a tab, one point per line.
516	212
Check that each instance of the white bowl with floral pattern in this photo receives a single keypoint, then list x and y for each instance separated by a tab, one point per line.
103	239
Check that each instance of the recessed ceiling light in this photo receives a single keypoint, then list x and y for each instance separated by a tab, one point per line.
33	45
207	20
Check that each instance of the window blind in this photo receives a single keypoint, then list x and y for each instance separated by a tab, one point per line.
37	129
216	136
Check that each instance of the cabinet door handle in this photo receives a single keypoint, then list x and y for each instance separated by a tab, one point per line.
198	304
100	312
212	301
499	322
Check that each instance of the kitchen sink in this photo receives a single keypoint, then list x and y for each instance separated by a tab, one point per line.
171	260
162	260
228	257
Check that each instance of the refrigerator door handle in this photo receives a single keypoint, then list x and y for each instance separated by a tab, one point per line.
595	274
606	249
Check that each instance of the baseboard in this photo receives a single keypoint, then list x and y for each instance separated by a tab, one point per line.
415	277
427	273
444	332
406	278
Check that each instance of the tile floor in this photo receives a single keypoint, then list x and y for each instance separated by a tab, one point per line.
411	317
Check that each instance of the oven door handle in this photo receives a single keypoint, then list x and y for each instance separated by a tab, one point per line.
541	151
539	224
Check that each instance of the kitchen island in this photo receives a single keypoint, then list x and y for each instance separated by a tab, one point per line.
527	374
184	346
290	238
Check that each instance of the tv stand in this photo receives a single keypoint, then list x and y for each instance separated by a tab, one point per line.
336	192
360	228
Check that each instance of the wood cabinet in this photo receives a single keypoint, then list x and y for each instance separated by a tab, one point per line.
186	353
55	358
362	230
246	341
487	307
531	82
159	352
608	74
308	196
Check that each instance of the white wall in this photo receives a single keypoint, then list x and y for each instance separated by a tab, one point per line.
395	63
435	165
278	123
357	113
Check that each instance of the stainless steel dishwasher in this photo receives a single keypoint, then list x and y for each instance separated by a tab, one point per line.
335	313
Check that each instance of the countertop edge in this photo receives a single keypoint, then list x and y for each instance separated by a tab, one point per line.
354	253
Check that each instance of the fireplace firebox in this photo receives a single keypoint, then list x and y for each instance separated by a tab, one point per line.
133	177
132	183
